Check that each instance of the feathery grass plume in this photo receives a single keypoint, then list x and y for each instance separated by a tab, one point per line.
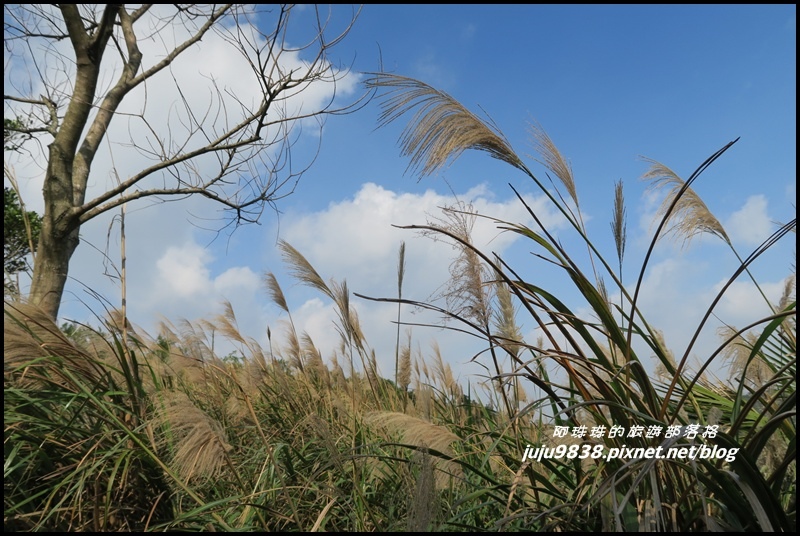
194	341
227	325
183	357
339	379
115	321
350	325
756	371
347	356
236	409
789	297
467	294
789	292
417	372
552	159
506	321
294	353
520	395
423	499
423	400
419	433
355	325
401	271
372	368
404	370
313	360
29	333
252	374
275	291
441	127
198	443
619	223
665	371
603	290
302	270
425	370
690	216
443	372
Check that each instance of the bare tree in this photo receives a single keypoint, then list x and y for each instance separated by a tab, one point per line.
85	66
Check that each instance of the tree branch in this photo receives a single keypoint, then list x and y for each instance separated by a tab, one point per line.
216	15
99	127
75	29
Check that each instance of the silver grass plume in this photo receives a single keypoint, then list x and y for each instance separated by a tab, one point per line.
505	320
441	128
29	333
312	360
690	216
401	271
404	368
197	441
420	433
443	372
302	270
789	292
275	291
755	372
619	223
227	324
422	510
665	372
552	159
467	294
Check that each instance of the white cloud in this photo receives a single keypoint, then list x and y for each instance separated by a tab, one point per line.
743	303
182	284
354	240
182	271
238	278
750	225
356	237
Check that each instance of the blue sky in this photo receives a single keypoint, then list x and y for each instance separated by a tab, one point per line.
607	83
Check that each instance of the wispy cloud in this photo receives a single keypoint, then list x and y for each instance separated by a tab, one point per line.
751	224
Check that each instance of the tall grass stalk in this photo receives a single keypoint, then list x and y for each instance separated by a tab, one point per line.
110	428
401	271
600	378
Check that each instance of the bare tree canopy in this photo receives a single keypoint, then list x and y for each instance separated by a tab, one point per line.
72	70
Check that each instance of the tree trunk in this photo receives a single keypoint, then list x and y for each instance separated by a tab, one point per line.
59	236
66	177
52	266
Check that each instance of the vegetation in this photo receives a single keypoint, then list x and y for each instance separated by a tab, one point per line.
20	227
20	233
124	431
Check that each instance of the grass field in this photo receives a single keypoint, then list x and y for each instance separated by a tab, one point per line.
110	428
